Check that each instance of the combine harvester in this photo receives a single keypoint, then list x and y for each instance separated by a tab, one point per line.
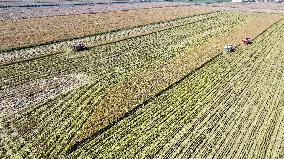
80	46
230	47
246	41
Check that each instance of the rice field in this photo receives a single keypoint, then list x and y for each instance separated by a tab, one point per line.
164	89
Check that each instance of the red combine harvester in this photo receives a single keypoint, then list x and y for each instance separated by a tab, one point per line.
246	41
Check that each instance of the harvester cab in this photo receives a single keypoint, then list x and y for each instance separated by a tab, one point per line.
246	40
229	48
79	47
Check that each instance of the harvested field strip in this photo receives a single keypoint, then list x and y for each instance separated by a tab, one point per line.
149	82
48	29
226	109
16	56
48	129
